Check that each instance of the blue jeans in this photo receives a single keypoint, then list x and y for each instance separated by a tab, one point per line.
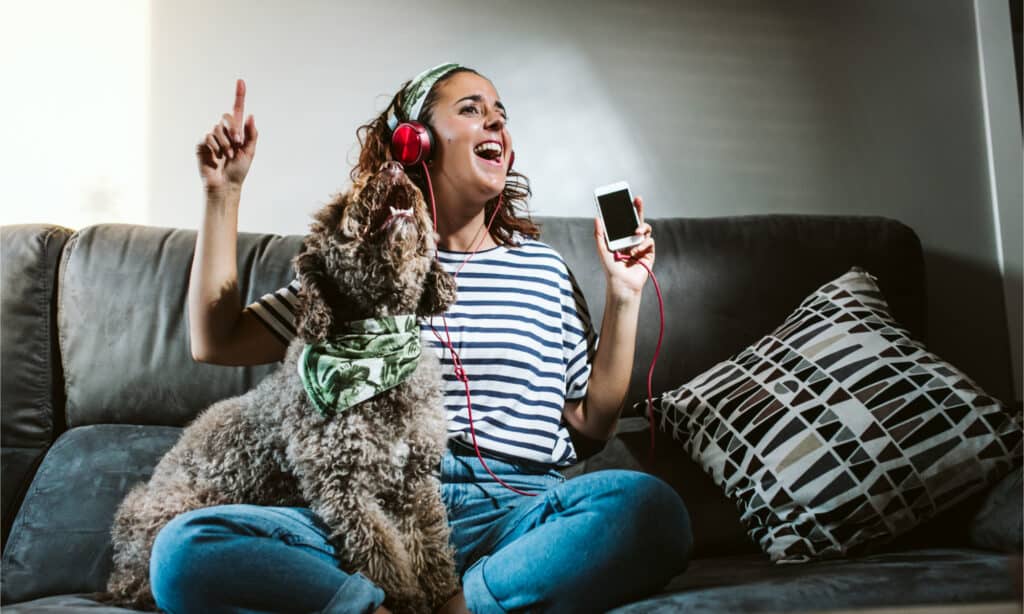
582	545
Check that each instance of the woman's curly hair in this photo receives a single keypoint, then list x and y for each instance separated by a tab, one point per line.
375	148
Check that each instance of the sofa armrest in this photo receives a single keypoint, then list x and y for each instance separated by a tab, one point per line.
31	382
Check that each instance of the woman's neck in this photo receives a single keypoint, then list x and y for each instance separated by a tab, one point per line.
464	235
461	218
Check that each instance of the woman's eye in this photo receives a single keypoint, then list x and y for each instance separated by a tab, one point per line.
474	109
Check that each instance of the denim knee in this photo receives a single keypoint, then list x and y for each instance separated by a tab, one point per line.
226	558
659	518
171	562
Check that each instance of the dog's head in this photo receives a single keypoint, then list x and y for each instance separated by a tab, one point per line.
370	253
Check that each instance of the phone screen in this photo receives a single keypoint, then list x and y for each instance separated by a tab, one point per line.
617	211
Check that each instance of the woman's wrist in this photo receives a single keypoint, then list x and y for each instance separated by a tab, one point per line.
223	196
222	191
622	296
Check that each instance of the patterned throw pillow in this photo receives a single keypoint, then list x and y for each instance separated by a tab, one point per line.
838	431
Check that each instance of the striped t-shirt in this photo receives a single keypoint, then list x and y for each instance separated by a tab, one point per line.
522	330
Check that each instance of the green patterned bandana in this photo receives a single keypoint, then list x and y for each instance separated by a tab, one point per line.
416	92
367	358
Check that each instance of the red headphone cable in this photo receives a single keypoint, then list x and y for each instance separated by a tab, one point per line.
460	371
657	350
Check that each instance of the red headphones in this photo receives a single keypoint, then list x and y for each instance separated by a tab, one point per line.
412	142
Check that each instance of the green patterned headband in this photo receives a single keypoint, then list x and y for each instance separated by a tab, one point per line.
416	92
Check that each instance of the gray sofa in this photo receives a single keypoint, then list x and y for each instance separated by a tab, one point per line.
98	381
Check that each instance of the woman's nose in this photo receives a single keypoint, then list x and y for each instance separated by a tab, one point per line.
496	121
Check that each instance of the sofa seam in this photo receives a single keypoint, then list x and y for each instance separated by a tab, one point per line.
53	329
46	306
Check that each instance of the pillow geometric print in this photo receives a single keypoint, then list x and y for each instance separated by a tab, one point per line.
838	431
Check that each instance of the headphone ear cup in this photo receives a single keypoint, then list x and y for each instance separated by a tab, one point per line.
411	143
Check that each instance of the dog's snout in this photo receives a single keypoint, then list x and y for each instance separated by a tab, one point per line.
391	167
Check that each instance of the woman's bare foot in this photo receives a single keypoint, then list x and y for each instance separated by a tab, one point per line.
455	605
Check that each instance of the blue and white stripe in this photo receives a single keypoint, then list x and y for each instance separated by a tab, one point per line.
277	311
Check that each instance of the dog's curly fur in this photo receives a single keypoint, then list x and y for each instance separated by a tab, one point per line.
368	472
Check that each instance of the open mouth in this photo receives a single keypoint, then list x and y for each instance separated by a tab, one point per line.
396	202
397	216
490	152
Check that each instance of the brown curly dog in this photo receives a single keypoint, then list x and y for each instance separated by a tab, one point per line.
368	471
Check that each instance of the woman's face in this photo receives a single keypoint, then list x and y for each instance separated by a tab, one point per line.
473	144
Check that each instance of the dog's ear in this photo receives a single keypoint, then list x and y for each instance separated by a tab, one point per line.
315	319
439	291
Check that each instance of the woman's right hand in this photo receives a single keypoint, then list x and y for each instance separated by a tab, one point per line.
226	152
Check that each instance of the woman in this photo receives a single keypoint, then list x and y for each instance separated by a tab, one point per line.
586	544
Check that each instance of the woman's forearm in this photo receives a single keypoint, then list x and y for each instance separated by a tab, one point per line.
612	366
213	298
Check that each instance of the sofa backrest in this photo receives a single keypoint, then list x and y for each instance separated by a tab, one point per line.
123	320
725	282
728	281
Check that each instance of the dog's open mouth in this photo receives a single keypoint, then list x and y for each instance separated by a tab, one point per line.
396	215
396	210
395	198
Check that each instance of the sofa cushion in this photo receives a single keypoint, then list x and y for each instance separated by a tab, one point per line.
60	541
65	604
838	431
751	583
999	522
124	330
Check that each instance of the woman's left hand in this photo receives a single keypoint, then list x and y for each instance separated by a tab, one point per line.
626	278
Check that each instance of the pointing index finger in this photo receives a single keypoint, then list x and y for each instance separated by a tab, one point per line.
239	110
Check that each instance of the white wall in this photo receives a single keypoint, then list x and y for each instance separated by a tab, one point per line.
732	107
74	112
1005	160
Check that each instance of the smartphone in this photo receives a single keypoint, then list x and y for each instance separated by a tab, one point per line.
618	215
